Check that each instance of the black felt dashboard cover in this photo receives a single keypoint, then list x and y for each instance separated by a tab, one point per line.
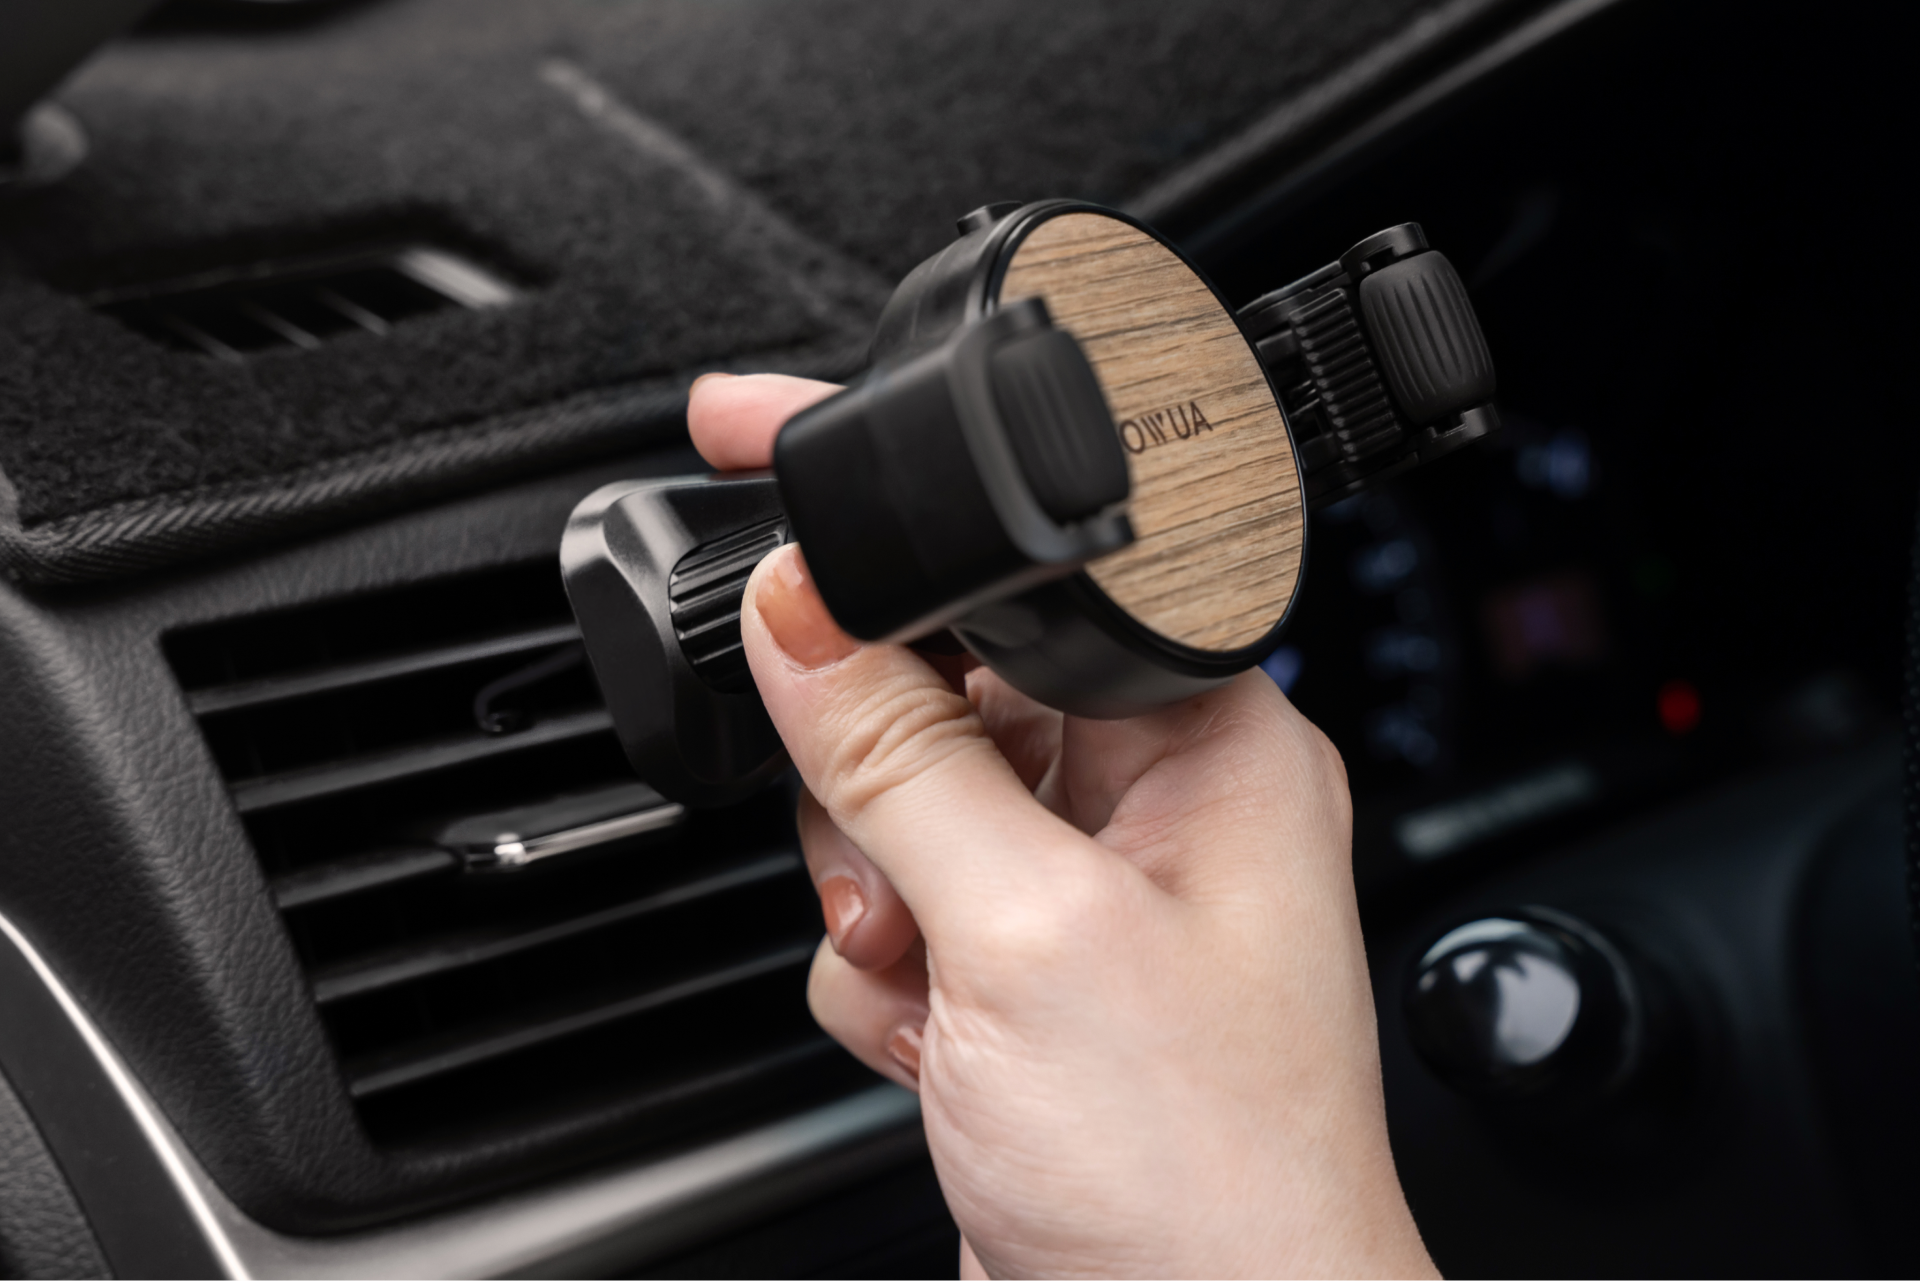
678	185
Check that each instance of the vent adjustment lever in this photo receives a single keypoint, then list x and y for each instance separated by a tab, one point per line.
511	839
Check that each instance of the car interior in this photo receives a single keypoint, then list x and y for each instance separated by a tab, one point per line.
318	317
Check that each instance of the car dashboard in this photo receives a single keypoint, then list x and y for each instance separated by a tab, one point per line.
307	360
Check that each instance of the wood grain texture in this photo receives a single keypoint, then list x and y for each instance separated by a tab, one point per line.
1217	507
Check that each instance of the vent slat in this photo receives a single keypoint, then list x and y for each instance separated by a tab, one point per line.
359	874
306	683
273	791
434	957
331	299
691	1089
409	1067
242	309
508	937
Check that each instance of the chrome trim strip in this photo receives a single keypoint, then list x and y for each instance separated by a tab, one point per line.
604	1220
615	1217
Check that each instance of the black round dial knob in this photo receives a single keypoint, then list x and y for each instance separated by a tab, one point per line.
1532	1008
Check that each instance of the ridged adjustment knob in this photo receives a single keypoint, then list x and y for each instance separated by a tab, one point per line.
1428	339
704	597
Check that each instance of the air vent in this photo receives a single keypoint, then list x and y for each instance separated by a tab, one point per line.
238	312
506	931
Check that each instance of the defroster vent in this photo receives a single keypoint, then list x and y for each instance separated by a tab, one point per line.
504	930
236	312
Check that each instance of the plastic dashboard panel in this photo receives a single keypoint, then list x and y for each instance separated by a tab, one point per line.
1758	1170
157	1213
124	864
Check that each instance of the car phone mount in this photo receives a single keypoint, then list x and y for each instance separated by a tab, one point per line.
1070	456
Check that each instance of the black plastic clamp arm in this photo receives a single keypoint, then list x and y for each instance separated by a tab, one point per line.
1379	362
968	472
963	474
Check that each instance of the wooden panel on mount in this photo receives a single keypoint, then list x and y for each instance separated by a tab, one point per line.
1217	505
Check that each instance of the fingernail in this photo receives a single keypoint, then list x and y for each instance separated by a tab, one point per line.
842	904
711	373
904	1046
795	614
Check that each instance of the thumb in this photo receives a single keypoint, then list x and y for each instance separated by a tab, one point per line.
902	763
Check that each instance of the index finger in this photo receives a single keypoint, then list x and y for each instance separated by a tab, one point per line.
902	763
734	417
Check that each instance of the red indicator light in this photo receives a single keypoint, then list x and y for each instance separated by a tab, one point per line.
1679	706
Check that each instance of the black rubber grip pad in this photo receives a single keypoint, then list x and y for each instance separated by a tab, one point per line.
1061	428
1428	340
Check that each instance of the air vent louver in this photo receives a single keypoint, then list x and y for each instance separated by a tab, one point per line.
647	979
237	312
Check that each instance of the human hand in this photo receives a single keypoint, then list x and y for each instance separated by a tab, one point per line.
1120	960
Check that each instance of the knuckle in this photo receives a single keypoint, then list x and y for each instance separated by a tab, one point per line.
1305	740
836	999
1331	762
822	984
1330	780
895	736
1315	768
